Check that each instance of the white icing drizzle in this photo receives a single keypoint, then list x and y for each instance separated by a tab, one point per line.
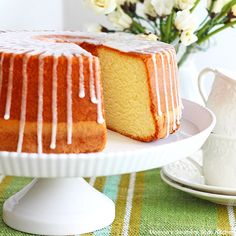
40	104
69	100
181	106
168	53
174	66
9	89
166	97
81	77
23	104
54	104
91	81
159	112
1	72
100	118
45	44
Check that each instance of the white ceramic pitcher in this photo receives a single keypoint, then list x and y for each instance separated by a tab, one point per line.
222	100
219	152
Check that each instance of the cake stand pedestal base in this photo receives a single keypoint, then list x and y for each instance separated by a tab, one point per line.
62	206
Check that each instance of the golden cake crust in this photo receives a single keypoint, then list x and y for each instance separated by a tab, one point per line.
84	143
87	134
72	109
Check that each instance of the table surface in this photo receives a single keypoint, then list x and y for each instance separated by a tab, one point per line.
145	205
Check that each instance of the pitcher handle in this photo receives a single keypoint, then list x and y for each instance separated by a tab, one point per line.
200	82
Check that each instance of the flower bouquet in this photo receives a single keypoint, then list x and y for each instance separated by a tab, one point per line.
170	21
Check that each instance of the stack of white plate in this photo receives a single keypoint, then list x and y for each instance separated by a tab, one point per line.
186	175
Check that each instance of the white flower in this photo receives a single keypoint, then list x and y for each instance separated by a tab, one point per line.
163	7
140	10
184	4
234	10
119	19
188	37
209	3
147	8
217	5
185	20
103	6
93	28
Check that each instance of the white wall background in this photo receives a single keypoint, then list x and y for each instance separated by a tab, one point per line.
31	14
72	14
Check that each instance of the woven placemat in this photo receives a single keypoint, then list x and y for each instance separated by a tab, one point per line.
145	205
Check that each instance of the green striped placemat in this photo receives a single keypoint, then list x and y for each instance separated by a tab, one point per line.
146	206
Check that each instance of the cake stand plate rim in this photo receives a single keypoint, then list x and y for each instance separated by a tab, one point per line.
115	162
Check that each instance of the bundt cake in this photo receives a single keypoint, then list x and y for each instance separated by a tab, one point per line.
51	96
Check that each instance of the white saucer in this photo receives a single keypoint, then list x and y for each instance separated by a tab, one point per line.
215	198
188	172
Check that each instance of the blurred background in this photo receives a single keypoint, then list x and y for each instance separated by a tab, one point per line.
74	15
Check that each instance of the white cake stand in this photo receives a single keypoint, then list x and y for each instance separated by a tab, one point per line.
59	202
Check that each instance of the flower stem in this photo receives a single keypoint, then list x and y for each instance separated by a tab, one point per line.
206	28
218	19
150	23
168	27
185	55
227	8
212	5
162	29
216	31
195	5
137	28
204	21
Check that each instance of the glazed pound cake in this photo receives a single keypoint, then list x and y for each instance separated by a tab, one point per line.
51	94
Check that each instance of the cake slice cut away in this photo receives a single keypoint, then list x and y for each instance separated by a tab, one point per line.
140	92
